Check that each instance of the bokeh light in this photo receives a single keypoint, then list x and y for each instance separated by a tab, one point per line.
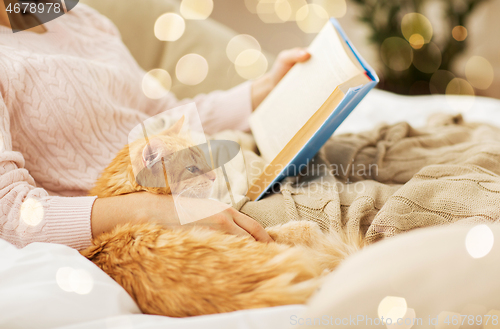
479	241
392	307
240	43
459	33
334	8
196	9
169	27
459	86
72	280
490	324
191	69
283	10
427	59
295	6
405	322
62	278
439	81
31	212
417	41
311	18
156	83
396	53
479	72
415	23
279	11
266	9
251	64
81	282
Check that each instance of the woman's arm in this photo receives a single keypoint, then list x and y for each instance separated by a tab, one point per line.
145	207
27	213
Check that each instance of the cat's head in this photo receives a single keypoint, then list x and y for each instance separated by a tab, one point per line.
170	163
167	163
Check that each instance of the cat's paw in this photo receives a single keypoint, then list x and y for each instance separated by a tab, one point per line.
295	233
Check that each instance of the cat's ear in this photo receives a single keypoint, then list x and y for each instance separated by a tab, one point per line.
151	153
154	151
175	129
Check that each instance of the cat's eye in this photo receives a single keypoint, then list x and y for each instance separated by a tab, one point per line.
192	169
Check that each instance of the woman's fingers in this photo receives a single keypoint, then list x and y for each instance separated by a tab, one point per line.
286	60
252	227
292	56
236	230
225	219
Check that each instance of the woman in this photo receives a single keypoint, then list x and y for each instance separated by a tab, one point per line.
69	95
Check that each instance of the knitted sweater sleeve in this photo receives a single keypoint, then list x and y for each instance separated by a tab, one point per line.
218	110
27	213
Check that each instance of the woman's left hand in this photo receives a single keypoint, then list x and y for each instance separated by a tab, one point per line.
284	62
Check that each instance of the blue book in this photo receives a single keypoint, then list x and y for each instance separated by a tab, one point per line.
307	106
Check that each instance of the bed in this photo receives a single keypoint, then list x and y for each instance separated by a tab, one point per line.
52	286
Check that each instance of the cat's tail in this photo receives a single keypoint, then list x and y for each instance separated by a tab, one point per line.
326	249
334	247
291	277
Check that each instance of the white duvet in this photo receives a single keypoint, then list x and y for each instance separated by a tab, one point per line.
52	286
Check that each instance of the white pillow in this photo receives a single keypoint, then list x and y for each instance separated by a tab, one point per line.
432	270
384	107
49	285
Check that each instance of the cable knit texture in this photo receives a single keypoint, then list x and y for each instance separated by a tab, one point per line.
68	99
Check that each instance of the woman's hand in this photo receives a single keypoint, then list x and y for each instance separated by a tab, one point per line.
231	221
146	207
286	59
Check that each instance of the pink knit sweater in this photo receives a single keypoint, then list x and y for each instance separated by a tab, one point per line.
68	99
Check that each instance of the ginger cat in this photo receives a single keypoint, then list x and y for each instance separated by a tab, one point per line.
186	272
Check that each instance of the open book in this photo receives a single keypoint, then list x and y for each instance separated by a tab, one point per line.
308	104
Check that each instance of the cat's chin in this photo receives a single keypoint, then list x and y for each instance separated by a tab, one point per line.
201	191
202	194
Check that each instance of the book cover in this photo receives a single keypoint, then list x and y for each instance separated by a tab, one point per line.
285	160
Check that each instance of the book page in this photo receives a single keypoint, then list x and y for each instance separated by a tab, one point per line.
302	92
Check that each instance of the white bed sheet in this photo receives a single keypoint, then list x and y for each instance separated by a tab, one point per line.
266	318
111	307
384	107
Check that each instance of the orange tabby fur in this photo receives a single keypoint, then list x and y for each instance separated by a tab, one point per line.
186	272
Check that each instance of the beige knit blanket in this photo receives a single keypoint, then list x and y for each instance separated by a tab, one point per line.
394	179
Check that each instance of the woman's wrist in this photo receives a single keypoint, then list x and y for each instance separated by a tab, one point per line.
261	88
142	207
157	208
